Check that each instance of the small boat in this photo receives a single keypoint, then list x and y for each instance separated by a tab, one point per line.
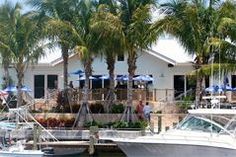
62	152
202	133
19	150
22	153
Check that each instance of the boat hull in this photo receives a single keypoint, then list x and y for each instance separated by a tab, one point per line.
24	153
63	152
132	149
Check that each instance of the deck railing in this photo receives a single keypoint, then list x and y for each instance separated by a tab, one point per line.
120	94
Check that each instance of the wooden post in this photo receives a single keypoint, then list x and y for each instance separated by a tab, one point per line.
155	94
39	132
34	137
93	139
166	94
159	123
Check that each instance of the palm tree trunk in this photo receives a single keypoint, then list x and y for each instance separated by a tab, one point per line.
111	68
127	115
198	91
131	69
86	87
65	57
203	86
6	75
20	76
84	113
88	72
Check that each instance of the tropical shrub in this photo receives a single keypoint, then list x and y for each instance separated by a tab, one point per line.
135	125
121	124
186	103
96	108
139	124
93	123
53	122
117	108
75	108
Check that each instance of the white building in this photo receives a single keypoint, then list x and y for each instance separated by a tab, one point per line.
166	62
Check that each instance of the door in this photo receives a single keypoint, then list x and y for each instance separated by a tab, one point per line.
178	84
39	86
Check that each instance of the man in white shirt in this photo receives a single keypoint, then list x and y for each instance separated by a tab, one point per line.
147	110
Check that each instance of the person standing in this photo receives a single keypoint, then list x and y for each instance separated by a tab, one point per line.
139	110
147	110
71	84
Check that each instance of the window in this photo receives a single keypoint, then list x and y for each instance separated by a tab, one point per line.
38	86
52	81
191	83
207	81
120	57
178	84
199	124
233	81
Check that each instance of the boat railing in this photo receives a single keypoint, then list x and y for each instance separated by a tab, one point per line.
28	115
232	122
191	137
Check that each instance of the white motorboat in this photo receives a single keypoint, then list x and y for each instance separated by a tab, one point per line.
202	133
19	150
24	153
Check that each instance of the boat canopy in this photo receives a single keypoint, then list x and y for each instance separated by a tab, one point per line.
210	120
213	111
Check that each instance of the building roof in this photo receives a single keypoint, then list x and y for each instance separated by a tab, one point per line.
51	55
166	49
170	48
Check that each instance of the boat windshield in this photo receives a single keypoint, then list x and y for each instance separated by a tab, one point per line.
199	123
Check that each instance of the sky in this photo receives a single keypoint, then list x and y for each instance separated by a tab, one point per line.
162	46
25	7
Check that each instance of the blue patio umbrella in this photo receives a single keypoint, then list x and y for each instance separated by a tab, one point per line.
123	78
226	88
215	89
83	78
26	89
10	88
3	93
143	78
104	77
78	72
218	89
210	89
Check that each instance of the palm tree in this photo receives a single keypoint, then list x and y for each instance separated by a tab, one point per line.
5	57
87	48
22	40
195	24
56	11
70	24
106	23
136	18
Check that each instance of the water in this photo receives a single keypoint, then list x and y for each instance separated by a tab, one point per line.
105	154
102	152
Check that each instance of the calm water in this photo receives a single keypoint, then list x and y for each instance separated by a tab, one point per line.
105	154
100	153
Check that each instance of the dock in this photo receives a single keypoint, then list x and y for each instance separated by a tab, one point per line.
72	144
